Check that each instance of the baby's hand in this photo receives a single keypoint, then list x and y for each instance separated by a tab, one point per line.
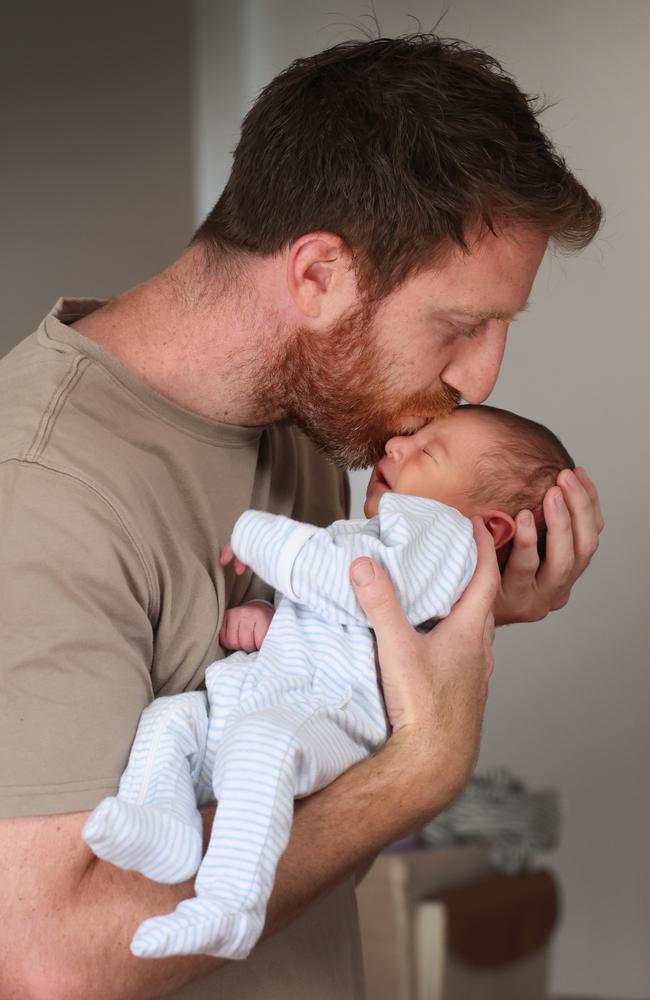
246	626
227	555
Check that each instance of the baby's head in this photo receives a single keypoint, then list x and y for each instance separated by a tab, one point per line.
481	460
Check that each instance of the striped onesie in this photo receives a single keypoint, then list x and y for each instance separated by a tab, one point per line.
281	723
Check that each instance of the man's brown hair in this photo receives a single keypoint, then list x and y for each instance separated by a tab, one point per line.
399	146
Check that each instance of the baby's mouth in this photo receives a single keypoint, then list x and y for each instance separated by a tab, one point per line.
381	478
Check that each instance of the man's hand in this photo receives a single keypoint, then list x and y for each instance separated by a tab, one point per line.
245	627
529	590
435	685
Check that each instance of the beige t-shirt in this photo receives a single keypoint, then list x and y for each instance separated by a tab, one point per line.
114	504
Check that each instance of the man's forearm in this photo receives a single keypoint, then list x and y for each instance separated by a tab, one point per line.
94	926
75	931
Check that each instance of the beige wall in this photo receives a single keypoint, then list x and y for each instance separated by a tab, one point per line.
569	700
96	180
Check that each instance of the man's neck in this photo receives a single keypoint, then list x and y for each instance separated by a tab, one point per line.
204	348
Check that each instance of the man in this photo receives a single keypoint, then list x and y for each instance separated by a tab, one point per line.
389	205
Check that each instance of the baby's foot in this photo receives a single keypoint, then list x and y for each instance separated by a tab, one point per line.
152	841
198	926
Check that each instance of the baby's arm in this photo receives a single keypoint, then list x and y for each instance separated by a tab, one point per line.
427	548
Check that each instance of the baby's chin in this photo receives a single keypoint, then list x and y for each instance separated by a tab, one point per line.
371	506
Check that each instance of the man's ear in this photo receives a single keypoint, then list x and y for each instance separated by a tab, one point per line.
500	525
320	276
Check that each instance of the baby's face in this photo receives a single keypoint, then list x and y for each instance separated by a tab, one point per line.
437	462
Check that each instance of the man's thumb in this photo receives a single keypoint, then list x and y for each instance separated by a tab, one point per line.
376	595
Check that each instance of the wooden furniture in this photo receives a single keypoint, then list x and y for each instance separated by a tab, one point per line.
438	925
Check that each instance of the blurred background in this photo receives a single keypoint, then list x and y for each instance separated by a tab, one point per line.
118	122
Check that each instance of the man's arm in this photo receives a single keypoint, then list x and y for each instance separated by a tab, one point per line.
66	918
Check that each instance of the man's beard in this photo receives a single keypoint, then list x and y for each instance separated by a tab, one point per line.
337	388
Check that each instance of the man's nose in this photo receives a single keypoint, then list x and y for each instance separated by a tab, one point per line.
474	368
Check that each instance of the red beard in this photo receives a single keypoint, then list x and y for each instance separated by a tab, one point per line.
338	391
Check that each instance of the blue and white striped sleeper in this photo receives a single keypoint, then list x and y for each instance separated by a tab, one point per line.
282	723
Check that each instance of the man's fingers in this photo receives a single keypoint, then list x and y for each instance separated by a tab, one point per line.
574	520
523	561
471	612
377	597
584	518
518	580
593	496
572	514
572	538
479	596
557	570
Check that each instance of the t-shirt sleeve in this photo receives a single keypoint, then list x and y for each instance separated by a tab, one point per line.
76	642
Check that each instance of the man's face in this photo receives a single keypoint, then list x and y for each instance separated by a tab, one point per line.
436	339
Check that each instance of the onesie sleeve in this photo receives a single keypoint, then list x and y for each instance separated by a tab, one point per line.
269	544
76	640
430	553
426	547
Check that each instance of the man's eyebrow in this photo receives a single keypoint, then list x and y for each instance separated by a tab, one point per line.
485	314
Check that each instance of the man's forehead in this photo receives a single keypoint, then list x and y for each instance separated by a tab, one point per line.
492	280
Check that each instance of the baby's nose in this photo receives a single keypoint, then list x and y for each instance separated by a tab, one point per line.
396	447
391	447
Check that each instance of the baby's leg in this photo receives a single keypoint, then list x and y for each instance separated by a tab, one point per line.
153	825
264	760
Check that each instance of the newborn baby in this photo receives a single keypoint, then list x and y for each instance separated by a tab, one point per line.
287	720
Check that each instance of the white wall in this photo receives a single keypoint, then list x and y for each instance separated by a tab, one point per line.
569	701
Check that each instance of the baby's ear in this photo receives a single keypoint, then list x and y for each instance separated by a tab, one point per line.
500	525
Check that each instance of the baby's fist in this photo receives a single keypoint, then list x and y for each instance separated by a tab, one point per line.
245	627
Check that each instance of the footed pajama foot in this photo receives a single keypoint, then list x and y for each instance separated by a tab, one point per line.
151	841
198	926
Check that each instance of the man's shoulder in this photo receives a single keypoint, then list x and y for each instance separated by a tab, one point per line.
31	378
61	408
58	449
